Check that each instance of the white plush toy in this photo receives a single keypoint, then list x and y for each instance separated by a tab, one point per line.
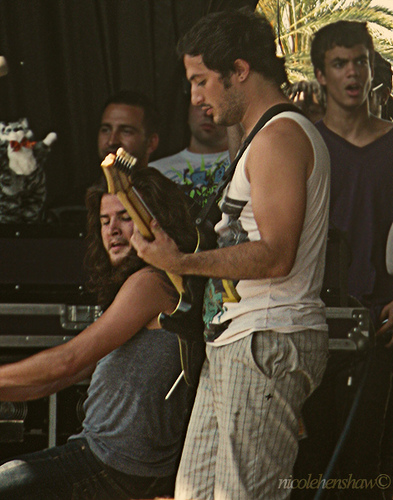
20	147
22	177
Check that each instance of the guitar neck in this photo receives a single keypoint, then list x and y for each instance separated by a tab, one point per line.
117	171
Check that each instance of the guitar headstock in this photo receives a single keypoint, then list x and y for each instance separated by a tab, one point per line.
117	169
125	161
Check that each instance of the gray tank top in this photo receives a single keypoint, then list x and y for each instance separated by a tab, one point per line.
129	425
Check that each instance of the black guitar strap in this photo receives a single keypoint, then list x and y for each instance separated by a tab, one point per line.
205	214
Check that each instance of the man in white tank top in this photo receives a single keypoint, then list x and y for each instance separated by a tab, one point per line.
265	326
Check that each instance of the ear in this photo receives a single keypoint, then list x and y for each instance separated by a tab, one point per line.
242	69
152	143
320	77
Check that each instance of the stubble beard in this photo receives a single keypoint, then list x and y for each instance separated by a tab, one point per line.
231	106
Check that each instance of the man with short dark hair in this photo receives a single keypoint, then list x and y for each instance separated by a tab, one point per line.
265	330
360	146
361	205
130	121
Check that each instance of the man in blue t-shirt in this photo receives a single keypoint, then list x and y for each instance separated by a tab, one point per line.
200	166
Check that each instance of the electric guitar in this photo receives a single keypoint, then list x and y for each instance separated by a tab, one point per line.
186	320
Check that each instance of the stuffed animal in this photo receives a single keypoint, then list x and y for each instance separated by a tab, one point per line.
22	177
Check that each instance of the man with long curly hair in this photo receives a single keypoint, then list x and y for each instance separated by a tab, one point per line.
132	436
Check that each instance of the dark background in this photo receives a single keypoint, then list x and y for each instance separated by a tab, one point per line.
66	57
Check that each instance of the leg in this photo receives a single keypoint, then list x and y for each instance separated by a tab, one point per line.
195	477
257	402
259	386
71	472
321	418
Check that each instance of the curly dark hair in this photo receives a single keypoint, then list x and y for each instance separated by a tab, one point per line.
173	210
224	36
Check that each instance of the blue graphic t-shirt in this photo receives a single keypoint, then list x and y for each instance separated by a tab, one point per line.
198	174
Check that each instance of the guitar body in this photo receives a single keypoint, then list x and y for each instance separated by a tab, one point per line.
186	320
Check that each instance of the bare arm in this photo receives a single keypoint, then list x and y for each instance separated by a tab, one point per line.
26	393
142	297
278	180
386	314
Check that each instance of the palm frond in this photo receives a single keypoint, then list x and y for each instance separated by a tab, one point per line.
300	19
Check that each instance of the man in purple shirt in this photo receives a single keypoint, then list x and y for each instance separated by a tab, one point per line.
361	151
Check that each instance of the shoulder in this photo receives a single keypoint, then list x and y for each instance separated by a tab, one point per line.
285	125
146	278
379	126
282	136
163	162
147	289
281	146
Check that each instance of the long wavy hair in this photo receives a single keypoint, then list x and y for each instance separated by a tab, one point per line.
173	210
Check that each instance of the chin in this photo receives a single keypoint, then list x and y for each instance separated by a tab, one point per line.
117	260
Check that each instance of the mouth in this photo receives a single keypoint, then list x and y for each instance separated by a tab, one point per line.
208	110
353	90
207	126
117	244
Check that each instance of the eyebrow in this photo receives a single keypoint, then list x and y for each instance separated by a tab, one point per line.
122	125
345	60
106	216
194	76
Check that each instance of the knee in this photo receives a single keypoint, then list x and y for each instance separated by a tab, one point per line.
12	475
11	465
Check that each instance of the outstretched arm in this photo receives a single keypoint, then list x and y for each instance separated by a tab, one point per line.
29	392
142	297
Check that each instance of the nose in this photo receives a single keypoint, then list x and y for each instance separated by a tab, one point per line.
353	68
114	138
196	96
114	226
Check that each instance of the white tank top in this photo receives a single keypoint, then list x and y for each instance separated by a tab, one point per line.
234	309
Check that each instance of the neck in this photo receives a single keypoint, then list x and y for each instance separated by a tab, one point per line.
263	94
205	149
346	120
355	125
